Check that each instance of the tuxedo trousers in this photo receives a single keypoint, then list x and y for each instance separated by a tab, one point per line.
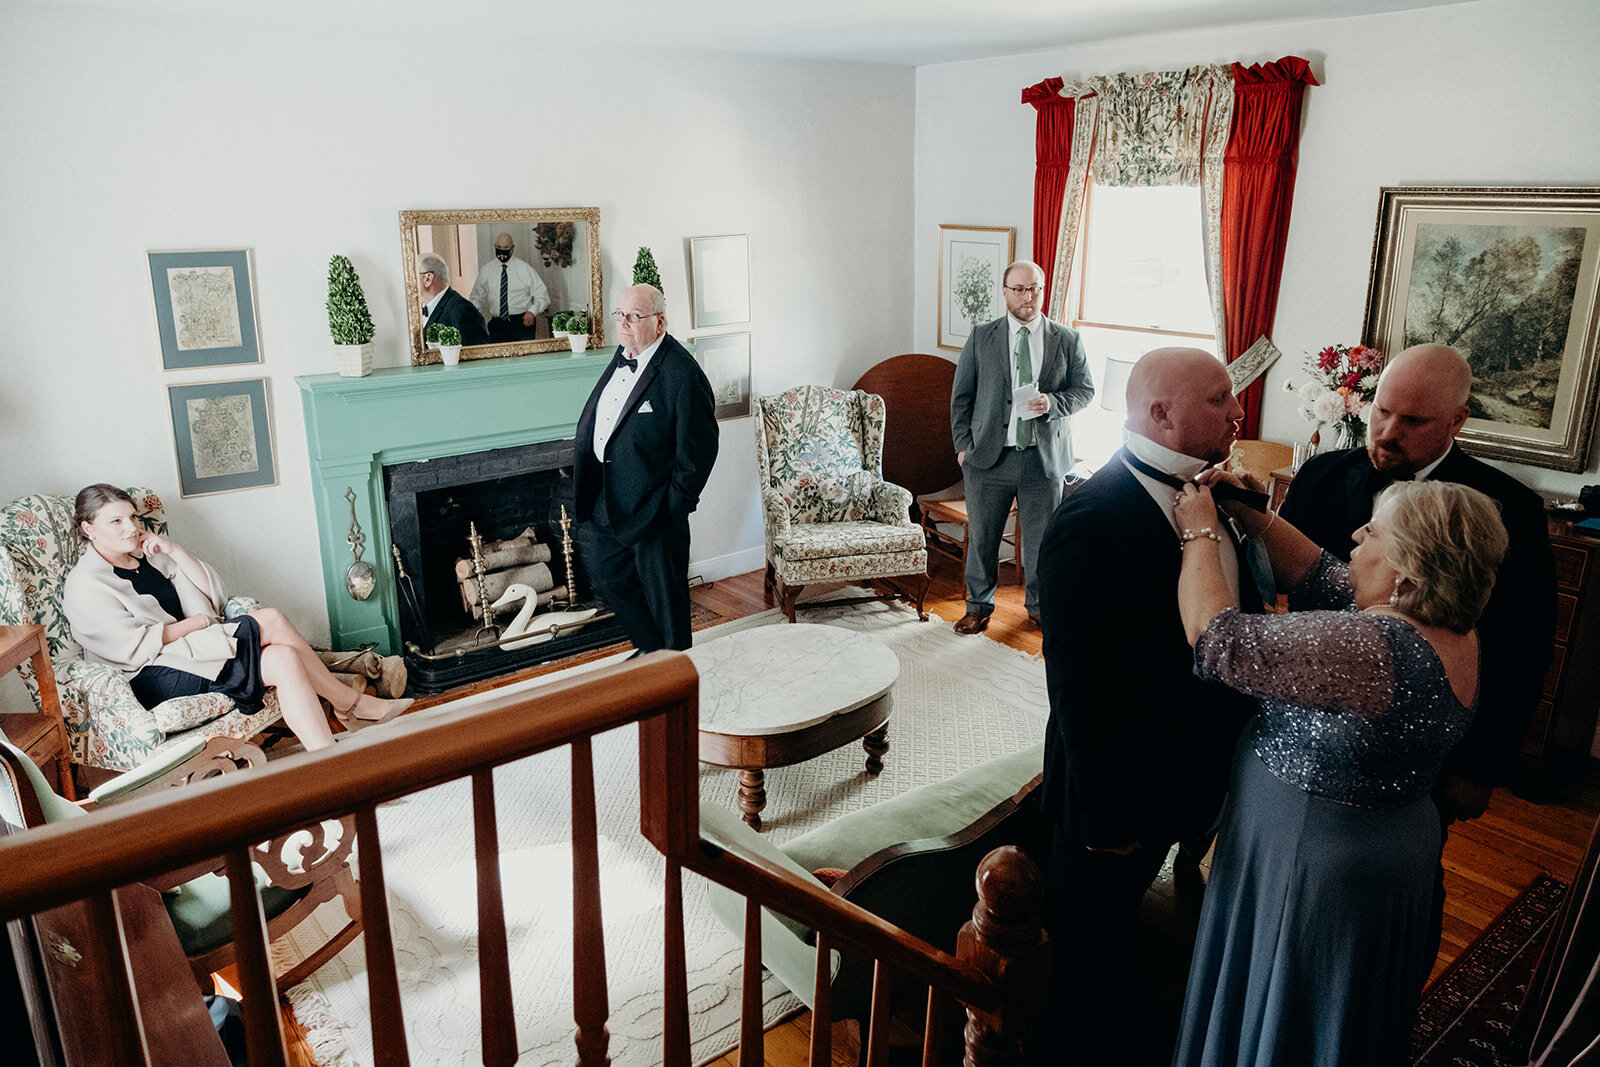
646	583
1018	475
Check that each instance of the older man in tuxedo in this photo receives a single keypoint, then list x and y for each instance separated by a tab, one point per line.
1018	379
646	441
442	304
1137	748
1420	406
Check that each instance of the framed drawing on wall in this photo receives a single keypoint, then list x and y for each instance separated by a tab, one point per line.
972	261
223	434
725	357
1510	278
205	308
719	280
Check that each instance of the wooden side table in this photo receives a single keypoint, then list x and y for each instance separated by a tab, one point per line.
42	735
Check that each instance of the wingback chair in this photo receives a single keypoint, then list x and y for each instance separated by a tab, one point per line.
829	515
106	724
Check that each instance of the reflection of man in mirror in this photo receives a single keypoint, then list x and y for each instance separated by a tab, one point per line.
509	294
444	305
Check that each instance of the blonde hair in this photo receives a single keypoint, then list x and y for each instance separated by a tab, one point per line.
1448	540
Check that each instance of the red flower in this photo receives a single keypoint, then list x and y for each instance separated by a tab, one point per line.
1328	358
151	502
1352	379
27	518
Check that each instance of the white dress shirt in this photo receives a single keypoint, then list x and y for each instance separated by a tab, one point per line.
525	290
1035	353
608	409
1179	465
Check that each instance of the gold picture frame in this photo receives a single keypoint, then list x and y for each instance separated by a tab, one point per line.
965	254
1510	278
464	237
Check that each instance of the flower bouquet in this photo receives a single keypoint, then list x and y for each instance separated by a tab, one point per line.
1344	379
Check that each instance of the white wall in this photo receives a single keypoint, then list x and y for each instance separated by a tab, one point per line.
124	134
1493	93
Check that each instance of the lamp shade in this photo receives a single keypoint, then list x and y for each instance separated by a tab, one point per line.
1114	384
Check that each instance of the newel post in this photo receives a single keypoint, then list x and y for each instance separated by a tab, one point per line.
1006	941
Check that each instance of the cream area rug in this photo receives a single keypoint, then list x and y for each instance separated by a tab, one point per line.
959	701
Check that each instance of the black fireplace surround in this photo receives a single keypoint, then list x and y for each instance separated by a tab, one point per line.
432	505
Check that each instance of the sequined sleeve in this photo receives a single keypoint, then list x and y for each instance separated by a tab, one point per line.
1335	660
1325	585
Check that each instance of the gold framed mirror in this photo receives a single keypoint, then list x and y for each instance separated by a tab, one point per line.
553	260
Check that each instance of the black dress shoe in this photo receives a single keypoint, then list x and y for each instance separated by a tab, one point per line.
970	624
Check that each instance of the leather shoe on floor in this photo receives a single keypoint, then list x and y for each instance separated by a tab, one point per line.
970	624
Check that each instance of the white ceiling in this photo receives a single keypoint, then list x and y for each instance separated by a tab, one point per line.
904	32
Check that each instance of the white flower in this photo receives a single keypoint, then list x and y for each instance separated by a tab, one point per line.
1329	406
1310	391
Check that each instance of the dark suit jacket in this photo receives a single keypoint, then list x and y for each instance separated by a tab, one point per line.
1137	748
1331	497
657	461
980	399
453	309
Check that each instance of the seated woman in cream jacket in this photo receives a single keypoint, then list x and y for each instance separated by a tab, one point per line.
140	603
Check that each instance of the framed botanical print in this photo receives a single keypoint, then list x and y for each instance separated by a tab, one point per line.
223	435
972	266
205	308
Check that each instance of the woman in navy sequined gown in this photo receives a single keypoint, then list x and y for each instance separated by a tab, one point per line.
1312	946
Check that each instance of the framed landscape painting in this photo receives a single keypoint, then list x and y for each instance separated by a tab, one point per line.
1510	278
972	262
223	433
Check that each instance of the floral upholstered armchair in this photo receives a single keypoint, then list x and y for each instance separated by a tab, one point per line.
106	725
829	515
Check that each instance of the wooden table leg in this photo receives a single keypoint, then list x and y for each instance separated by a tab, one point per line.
752	796
877	745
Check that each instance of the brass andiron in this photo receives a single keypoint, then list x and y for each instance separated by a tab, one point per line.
566	553
489	626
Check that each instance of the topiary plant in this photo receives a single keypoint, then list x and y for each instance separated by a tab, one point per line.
644	269
577	322
349	321
442	335
558	322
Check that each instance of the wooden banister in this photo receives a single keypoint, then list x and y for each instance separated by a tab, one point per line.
87	858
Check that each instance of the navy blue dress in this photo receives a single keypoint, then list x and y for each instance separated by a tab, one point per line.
240	679
1313	941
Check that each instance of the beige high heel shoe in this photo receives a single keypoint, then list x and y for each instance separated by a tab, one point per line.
351	721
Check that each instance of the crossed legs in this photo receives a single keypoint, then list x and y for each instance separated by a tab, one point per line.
289	664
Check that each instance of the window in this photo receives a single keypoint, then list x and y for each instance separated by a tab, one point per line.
1139	283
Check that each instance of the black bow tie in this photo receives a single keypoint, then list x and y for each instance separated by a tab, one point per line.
619	361
1220	490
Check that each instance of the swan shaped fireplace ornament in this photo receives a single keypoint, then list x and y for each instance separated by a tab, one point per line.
535	628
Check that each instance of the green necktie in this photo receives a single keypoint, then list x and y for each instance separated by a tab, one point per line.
1024	377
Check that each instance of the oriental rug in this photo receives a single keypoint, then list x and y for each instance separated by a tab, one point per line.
959	701
1465	1016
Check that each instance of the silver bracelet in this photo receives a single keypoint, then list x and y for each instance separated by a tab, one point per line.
1194	535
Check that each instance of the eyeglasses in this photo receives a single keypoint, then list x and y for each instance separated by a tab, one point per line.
631	317
1024	290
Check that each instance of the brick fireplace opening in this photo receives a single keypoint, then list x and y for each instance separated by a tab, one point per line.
506	493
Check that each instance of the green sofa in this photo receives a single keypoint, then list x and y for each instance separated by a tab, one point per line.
910	859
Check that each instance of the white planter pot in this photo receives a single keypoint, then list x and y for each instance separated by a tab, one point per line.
353	361
578	341
450	354
559	333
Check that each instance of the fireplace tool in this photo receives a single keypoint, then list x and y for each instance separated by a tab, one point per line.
481	579
408	598
566	554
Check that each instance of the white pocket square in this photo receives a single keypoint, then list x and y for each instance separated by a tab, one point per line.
645	407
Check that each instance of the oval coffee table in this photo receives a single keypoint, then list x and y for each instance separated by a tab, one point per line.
777	695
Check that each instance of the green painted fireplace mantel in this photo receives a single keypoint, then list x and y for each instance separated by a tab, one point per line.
357	426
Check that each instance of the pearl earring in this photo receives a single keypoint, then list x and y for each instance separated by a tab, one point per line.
1394	597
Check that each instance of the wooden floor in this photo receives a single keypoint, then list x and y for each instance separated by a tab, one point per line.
1487	861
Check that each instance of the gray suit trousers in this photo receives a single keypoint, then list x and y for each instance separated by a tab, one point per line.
1018	476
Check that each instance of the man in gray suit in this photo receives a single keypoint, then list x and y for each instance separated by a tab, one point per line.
1026	362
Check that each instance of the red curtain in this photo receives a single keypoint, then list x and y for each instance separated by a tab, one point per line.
1052	161
1257	190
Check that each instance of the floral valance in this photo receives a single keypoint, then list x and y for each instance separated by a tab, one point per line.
1153	126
